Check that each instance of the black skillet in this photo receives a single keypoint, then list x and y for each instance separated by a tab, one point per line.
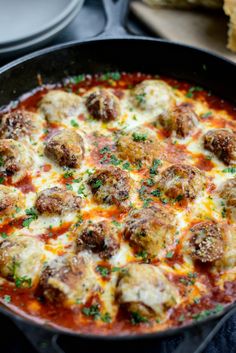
115	50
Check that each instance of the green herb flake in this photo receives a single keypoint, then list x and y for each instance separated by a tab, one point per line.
117	224
126	166
136	318
33	215
1	180
205	313
114	160
229	170
169	255
104	271
7	298
192	90
156	163
139	137
1	161
104	150
156	193
78	79
115	269
4	235
21	281
92	311
106	318
68	174
140	98
206	115
74	123
81	190
97	184
69	187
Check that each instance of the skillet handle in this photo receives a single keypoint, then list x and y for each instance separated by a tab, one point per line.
197	340
116	13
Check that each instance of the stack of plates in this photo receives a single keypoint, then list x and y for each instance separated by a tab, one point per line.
28	24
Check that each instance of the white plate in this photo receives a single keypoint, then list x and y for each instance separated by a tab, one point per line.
38	41
22	20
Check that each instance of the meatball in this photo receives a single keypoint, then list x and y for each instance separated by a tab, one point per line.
99	238
222	143
66	147
57	201
10	199
206	241
110	186
144	289
21	258
150	229
20	123
151	95
139	147
15	159
181	182
182	120
69	280
228	192
57	105
103	105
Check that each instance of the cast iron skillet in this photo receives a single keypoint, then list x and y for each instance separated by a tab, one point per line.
116	50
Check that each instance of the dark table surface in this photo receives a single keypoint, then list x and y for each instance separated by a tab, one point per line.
90	22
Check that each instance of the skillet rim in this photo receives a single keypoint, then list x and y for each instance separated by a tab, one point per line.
230	308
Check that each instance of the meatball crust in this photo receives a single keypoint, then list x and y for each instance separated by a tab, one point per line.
103	105
66	147
15	159
222	143
150	229
20	123
68	280
21	257
110	186
144	289
181	182
98	238
181	119
151	95
57	201
57	105
138	147
10	199
206	241
228	192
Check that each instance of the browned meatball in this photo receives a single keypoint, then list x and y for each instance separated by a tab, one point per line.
110	186
20	123
222	143
206	241
139	147
16	159
103	105
228	192
181	182
57	201
99	238
10	198
150	229
66	148
182	119
68	280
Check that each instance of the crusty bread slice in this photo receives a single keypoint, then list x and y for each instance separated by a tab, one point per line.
214	4
230	10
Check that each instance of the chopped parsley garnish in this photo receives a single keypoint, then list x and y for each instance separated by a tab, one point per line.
156	163
179	198
92	311
20	281
205	313
193	89
114	160
74	123
81	190
169	255
156	193
69	187
137	137
143	254
104	150
4	235
206	115
7	298
196	300
115	269
97	184
150	182
106	318
181	318
117	224
32	212
229	170
1	180
104	271
1	161
126	166
78	79
140	98
136	318
79	221
68	174
111	76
